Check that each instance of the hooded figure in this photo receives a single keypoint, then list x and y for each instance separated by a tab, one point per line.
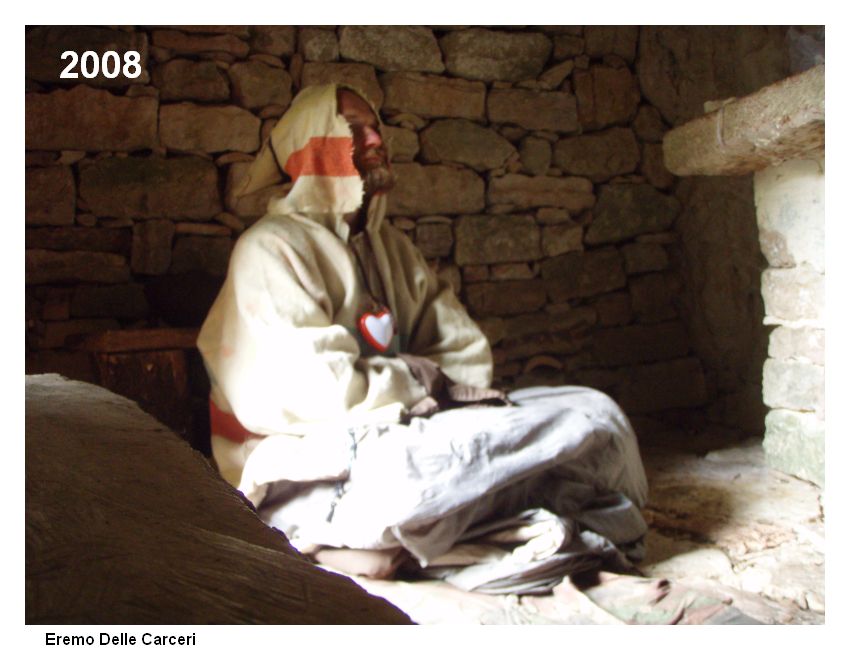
323	344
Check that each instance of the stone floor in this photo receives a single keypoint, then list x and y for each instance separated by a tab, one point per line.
721	522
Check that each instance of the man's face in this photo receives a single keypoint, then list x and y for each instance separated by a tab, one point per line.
370	155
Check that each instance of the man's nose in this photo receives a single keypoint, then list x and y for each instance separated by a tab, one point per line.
372	138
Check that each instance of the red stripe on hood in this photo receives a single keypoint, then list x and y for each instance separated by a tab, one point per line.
328	156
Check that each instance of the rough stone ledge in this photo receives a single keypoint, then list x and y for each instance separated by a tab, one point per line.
779	122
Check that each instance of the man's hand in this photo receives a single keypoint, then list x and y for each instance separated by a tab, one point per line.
443	393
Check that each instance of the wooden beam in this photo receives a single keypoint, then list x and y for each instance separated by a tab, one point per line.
174	338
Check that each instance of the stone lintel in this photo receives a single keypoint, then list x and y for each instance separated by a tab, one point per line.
779	122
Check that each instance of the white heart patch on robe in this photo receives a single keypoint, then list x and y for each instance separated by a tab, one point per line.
378	329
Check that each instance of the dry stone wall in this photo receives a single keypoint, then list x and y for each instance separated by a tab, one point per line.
529	173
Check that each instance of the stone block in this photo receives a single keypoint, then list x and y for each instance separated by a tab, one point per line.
535	154
405	224
613	309
180	43
682	66
435	189
794	444
641	258
44	46
278	40
433	97
86	219
652	166
505	372
533	110
434	239
45	267
625	346
566	46
358	75
241	31
85	119
476	273
790	210
611	39
250	206
793	294
50	196
55	304
256	85
403	143
559	343
206	229
488	55
721	268
486	239
464	142
115	301
189	127
574	194
318	44
624	211
179	188
511	272
506	297
525	325
207	254
104	240
183	79
794	385
677	384
553	216
43	158
151	253
648	124
233	223
598	156
562	238
606	96
742	409
652	297
387	47
579	275
555	76
798	344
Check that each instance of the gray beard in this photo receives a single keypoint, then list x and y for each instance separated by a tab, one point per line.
378	179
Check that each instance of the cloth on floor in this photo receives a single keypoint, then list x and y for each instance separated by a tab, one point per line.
529	555
652	601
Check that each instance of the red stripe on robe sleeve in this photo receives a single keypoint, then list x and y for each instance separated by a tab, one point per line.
330	156
226	425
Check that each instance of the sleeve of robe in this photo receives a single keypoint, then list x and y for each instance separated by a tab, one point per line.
440	327
274	354
278	362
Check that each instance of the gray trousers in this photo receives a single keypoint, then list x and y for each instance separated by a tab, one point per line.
422	486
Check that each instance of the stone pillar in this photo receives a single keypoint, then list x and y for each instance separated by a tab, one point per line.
778	133
790	213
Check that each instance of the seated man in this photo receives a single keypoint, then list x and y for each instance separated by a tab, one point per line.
350	396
